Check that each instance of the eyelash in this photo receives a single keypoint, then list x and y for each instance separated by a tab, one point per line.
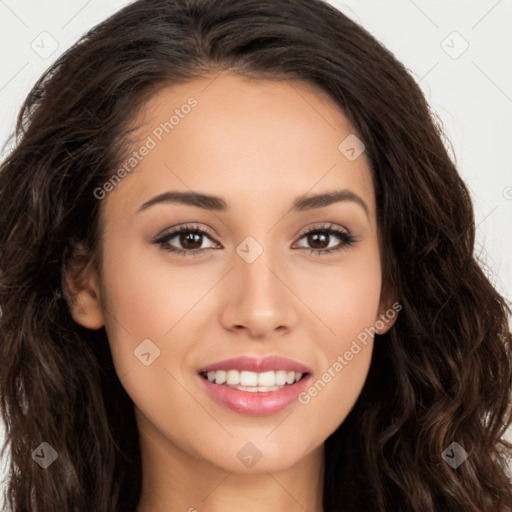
346	238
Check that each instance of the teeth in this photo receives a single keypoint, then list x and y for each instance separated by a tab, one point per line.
253	381
219	377
232	377
258	388
248	378
267	379
281	377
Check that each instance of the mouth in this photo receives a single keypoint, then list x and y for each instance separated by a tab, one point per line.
254	386
254	382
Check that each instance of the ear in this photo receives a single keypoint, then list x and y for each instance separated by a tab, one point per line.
388	310
80	283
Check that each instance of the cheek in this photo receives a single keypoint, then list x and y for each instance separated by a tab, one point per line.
345	297
345	360
143	301
347	302
150	309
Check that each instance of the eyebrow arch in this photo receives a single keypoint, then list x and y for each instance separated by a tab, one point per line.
214	203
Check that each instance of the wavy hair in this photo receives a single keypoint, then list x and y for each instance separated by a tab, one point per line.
442	374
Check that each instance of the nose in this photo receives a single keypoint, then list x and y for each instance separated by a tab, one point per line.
259	299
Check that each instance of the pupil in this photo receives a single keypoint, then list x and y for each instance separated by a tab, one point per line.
314	237
188	239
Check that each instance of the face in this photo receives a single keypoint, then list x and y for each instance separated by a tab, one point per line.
287	285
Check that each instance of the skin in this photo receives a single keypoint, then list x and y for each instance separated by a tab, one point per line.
259	145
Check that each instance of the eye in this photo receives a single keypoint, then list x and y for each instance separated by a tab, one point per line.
321	236
189	237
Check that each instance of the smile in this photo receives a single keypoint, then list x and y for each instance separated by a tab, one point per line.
253	381
238	385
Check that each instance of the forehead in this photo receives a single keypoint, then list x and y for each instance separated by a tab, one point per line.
246	139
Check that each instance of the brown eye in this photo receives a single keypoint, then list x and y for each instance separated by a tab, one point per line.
184	240
190	240
319	239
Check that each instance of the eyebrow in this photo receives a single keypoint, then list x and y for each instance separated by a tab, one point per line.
302	203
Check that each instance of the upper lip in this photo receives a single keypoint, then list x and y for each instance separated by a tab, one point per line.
257	364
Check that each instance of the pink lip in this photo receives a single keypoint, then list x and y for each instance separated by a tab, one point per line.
258	403
253	364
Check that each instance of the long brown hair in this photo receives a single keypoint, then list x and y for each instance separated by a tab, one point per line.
441	375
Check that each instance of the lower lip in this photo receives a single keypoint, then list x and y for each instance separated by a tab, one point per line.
258	403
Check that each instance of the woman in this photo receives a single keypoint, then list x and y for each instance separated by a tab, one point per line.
334	347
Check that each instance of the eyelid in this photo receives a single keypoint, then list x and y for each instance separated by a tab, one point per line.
347	239
326	226
175	231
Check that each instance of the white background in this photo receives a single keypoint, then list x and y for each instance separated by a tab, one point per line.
470	90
